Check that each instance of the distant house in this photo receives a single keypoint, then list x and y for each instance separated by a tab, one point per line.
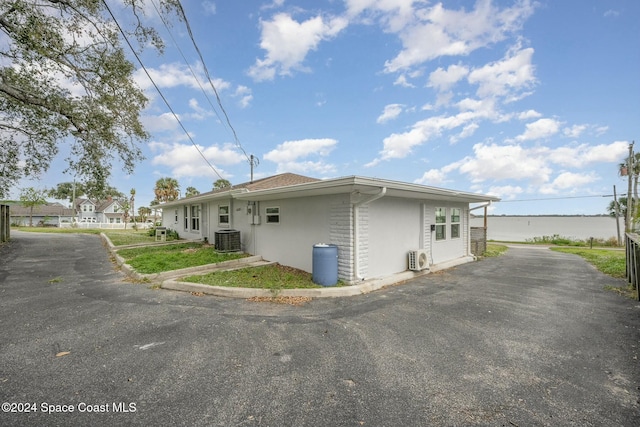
51	214
374	223
101	212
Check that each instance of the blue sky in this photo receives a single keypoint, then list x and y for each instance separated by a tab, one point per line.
532	101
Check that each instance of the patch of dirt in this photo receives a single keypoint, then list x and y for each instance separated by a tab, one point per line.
190	250
297	301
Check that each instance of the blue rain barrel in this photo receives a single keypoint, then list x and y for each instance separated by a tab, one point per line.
325	264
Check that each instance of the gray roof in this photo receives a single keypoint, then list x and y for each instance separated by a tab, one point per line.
291	185
53	209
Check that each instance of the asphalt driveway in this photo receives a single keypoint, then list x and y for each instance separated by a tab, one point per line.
526	339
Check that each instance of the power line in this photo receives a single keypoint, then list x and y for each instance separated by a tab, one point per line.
166	26
206	72
158	89
553	198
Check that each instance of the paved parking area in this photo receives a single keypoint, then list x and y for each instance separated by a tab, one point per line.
529	338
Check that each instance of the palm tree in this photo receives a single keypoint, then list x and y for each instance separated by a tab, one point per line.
631	167
166	190
144	212
221	183
191	191
131	202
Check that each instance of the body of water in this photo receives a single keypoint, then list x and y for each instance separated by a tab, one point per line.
523	228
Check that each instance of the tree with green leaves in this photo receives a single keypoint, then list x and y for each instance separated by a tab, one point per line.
66	191
143	213
65	76
221	183
31	197
125	208
190	192
132	200
166	190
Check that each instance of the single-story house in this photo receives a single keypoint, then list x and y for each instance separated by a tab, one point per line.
52	214
377	225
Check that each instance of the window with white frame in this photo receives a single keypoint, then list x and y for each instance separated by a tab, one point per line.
186	218
195	217
223	215
273	215
455	223
441	223
176	220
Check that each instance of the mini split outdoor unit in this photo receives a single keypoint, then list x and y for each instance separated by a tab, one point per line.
418	260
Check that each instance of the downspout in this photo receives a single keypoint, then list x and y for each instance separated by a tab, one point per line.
356	224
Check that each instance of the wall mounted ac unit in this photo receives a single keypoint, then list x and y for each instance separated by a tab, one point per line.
418	260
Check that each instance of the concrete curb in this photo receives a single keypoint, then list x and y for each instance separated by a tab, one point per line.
365	287
170	279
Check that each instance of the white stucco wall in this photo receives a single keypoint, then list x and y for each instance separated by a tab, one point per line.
388	228
303	223
394	228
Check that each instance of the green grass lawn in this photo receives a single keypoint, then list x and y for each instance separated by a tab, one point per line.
611	262
494	250
117	237
59	230
274	276
129	237
157	259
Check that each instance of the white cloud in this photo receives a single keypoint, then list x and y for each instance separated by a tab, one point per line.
443	80
505	77
290	155
244	96
163	122
400	145
390	112
287	43
175	75
467	131
506	192
568	180
319	167
449	32
536	166
574	131
432	177
542	128
185	161
402	81
585	154
500	162
529	114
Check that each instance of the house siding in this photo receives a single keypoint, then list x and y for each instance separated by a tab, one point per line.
395	228
302	224
373	228
341	234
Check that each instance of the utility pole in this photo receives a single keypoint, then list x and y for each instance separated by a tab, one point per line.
629	199
617	208
254	162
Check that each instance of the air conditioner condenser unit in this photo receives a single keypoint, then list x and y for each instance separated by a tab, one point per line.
418	260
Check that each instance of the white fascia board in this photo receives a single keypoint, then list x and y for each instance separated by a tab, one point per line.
365	186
